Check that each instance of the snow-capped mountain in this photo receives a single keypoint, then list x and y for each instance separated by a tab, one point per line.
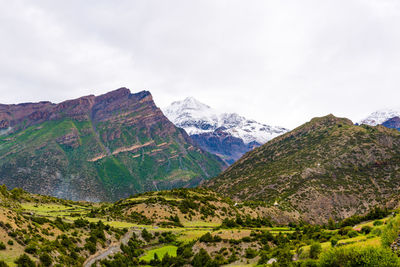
393	123
215	131
380	116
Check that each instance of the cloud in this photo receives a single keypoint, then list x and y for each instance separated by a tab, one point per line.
280	62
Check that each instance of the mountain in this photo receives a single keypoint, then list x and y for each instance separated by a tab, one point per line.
380	116
227	135
392	123
98	148
325	168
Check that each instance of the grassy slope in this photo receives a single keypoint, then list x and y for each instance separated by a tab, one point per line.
325	168
41	151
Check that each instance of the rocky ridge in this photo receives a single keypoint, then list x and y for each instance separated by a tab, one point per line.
98	148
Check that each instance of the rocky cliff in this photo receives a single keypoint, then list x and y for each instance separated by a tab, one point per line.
98	148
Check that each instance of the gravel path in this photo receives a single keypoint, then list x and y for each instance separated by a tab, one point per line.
110	250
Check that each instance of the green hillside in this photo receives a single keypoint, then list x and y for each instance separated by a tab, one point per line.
325	168
119	145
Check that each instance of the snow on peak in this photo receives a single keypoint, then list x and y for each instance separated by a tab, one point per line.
380	116
196	118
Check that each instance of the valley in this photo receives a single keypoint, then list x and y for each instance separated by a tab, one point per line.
109	181
178	227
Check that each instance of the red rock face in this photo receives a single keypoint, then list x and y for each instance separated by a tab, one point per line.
101	108
118	137
11	115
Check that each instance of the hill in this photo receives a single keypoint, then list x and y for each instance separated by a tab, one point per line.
98	148
325	168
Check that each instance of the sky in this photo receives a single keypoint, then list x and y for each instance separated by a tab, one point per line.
278	62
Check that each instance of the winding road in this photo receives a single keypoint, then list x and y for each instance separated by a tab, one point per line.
114	248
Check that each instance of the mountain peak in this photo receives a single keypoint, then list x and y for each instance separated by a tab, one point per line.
198	118
115	94
190	103
329	120
380	116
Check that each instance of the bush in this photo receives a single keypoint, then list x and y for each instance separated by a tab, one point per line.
80	223
250	253
2	246
345	230
45	259
201	259
390	231
352	233
377	223
146	235
366	229
91	247
31	249
315	250
208	238
334	241
353	256
25	261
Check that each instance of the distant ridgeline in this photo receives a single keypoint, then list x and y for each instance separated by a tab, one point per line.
98	148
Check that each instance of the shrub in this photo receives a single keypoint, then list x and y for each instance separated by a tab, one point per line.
390	231
79	223
352	233
25	261
201	258
250	253
91	247
353	256
208	238
45	259
31	249
377	223
146	235
2	246
315	250
366	229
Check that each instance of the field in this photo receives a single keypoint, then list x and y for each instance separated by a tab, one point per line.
189	222
171	250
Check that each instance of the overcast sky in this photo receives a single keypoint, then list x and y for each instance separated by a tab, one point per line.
279	62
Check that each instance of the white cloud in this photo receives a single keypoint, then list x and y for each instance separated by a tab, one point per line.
280	62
